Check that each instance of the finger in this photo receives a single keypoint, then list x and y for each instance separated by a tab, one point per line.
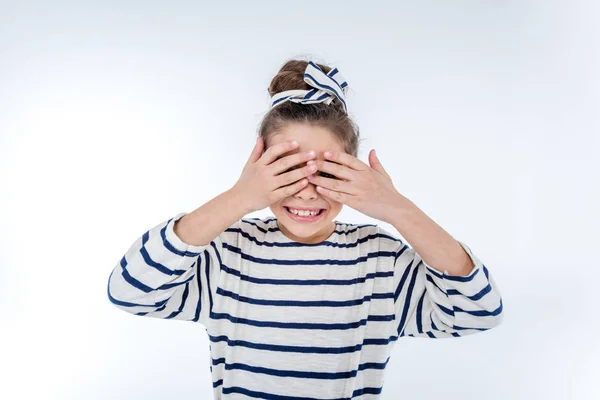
337	196
288	162
290	189
347	159
334	184
337	170
377	165
295	175
256	151
276	150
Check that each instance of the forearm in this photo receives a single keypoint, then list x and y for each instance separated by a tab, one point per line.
202	225
435	246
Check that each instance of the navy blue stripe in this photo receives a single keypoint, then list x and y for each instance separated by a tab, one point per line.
287	349
382	295
409	291
300	374
454	292
430	279
435	328
168	245
323	96
159	266
463	328
310	93
399	252
367	390
296	262
131	280
280	100
250	221
445	310
289	325
332	74
306	282
302	349
207	278
476	296
127	304
270	396
402	282
482	313
322	85
379	342
199	304
252	238
184	297
298	303
172	285
452	277
420	313
381	318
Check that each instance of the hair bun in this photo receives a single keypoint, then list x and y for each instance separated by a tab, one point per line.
291	77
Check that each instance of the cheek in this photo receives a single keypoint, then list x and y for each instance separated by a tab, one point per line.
334	205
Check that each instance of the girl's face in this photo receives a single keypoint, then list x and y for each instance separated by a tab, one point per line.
298	228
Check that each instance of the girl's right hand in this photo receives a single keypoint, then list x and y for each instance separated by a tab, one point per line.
263	181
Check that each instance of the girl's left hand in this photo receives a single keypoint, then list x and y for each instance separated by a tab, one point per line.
368	189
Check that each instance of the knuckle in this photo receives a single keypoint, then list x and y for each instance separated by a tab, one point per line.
285	162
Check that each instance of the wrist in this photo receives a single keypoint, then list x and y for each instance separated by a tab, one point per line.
402	208
236	202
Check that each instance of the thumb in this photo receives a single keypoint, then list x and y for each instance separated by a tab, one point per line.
376	164
256	151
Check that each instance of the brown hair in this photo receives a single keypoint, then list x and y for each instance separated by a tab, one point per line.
332	116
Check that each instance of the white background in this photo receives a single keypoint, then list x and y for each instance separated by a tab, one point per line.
115	116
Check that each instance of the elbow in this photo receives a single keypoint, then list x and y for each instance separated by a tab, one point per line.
495	317
117	302
499	314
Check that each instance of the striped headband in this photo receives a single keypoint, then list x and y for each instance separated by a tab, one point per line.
326	88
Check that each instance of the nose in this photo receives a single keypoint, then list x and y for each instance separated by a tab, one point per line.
307	192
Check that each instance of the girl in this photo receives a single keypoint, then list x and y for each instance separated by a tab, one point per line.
303	306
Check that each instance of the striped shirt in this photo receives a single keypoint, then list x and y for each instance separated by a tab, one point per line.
287	320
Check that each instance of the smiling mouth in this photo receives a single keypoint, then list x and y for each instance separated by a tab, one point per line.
302	218
289	210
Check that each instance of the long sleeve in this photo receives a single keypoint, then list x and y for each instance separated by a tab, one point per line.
160	276
429	303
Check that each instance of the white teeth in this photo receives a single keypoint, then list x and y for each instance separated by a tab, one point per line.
303	213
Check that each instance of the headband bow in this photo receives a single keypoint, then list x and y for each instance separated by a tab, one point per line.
326	88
